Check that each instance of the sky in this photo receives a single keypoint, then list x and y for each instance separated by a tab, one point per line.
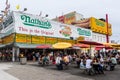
88	8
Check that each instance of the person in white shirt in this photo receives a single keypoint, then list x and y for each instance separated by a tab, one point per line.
58	61
88	63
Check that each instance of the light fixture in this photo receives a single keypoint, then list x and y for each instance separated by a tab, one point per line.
46	15
25	9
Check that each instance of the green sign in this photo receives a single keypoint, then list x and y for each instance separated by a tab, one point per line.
35	22
99	23
83	32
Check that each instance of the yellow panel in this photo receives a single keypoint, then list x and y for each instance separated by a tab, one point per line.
99	26
42	40
35	39
8	39
28	38
50	40
21	38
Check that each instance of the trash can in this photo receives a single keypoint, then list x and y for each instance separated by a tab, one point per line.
23	60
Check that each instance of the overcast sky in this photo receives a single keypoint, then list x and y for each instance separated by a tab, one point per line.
88	8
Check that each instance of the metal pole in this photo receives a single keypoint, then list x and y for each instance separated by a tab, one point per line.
107	35
13	54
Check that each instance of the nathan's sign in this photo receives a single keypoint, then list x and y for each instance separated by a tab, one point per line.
36	26
83	32
100	26
99	23
27	20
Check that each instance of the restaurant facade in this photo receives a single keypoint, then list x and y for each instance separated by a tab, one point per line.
26	31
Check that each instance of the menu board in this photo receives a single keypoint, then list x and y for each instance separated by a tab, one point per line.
20	38
0	41
28	39
35	40
70	41
42	40
50	40
8	39
61	40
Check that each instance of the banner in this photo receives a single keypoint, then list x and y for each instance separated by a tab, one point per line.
35	25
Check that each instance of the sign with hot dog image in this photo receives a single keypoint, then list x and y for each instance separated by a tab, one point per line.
66	31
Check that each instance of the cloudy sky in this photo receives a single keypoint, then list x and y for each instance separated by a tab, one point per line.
96	8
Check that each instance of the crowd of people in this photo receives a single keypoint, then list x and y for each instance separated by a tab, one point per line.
97	64
5	55
91	64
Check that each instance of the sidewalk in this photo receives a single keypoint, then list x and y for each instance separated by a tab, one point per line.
32	71
4	75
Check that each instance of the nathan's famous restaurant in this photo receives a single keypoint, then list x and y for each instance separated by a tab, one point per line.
27	33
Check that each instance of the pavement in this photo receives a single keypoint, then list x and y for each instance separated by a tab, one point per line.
4	75
33	71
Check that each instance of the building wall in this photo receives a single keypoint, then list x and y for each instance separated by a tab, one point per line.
98	37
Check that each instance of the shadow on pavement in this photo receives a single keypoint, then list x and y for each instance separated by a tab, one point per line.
109	75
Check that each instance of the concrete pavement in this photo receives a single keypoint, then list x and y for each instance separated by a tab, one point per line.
4	75
32	71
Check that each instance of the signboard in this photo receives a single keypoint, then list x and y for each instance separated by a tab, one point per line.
61	19
50	40
99	26
20	38
42	40
70	41
8	39
28	39
0	41
35	40
61	40
69	18
81	38
35	25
